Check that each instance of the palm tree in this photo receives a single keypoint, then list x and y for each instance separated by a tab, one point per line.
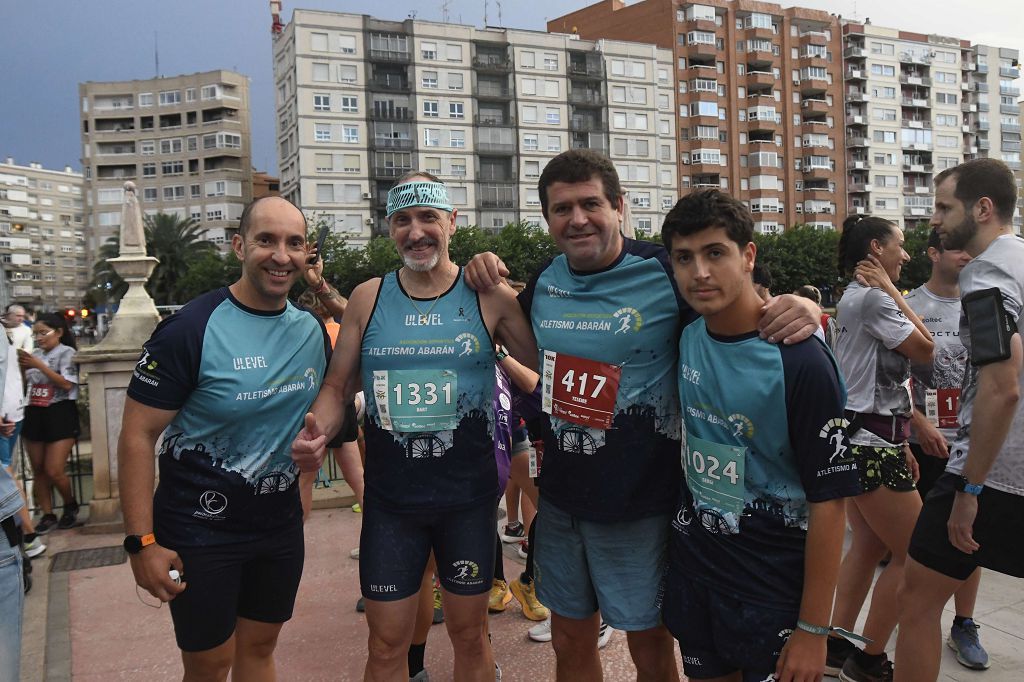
177	242
104	279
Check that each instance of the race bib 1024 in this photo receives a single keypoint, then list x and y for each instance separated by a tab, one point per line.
579	390
715	477
416	400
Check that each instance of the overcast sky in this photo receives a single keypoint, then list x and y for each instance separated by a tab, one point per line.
49	46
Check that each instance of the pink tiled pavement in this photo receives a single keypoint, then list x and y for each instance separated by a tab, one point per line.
115	637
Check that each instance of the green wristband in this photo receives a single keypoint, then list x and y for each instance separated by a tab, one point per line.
819	630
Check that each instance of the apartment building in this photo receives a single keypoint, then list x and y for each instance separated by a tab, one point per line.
917	104
42	237
760	99
361	101
184	141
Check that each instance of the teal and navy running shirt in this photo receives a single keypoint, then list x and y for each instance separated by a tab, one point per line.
428	376
241	381
763	435
608	351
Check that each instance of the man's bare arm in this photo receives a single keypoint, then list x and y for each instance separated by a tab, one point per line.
507	321
141	426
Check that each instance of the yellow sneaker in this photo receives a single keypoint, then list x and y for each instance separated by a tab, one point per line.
526	595
500	596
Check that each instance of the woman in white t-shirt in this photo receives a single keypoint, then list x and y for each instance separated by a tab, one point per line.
879	336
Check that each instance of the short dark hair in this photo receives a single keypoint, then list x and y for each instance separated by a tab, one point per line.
708	208
243	222
983	178
580	165
57	322
761	275
858	232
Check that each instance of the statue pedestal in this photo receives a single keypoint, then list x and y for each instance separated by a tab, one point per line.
108	377
109	366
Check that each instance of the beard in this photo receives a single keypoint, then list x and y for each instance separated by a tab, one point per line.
961	235
421	266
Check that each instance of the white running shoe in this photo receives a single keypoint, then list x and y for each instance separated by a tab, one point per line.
604	635
541	632
354	554
34	548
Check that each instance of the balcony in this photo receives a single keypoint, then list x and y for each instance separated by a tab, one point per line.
704	51
908	79
968	108
914	58
494	120
856	141
497	148
815	106
817	172
968	66
856	120
1011	91
917	146
980	86
982	68
497	195
593	71
981	125
399	114
916	123
390	56
1009	108
917	211
916	102
857	96
816	126
389	171
859	187
916	190
579	124
855	53
857	210
966	86
984	145
918	168
1009	146
1009	72
493	92
403	143
856	75
970	149
386	84
587	98
760	78
492	63
1010	128
858	164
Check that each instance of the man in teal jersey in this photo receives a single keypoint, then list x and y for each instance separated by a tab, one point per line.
226	380
607	317
758	537
421	345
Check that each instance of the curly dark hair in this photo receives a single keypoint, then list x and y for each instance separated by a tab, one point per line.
707	208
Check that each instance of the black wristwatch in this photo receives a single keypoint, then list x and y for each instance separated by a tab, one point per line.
965	486
133	544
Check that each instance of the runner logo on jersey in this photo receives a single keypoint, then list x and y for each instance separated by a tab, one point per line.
466	572
840	457
311	375
629	319
467	344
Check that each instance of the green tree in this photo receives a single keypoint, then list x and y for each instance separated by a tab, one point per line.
524	248
467	242
105	281
176	242
800	255
206	272
919	269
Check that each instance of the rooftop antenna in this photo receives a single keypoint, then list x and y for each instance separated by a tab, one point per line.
485	13
445	4
498	3
156	52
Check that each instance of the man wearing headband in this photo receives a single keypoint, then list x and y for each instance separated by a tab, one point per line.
421	345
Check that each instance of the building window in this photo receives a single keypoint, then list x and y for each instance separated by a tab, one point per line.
318	42
454	81
349	105
552	116
145	99
322	132
429	80
347	44
209	92
531	169
349	134
554	143
149	170
190	94
428	50
170	146
431	137
456	110
430	109
321	102
172	167
321	72
530	142
170	97
149	193
457	139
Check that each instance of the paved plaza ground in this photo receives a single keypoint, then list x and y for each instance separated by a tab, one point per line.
89	625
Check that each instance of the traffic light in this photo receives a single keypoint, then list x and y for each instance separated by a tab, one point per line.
70	313
85	313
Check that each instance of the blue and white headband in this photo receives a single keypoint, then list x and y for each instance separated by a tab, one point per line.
419	193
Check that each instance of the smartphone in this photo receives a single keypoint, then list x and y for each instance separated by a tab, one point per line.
321	237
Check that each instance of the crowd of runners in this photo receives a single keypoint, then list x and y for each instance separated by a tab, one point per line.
683	455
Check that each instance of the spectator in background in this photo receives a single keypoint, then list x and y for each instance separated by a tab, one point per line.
828	324
12	591
51	417
762	277
19	334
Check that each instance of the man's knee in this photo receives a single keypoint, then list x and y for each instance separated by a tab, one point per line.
211	665
571	637
922	592
386	645
257	642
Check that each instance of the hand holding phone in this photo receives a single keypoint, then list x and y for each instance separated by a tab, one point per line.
321	237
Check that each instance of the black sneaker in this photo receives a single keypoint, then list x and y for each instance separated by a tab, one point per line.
69	517
854	671
513	532
46	524
839	649
361	605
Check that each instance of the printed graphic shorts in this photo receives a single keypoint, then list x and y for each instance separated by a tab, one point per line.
883	466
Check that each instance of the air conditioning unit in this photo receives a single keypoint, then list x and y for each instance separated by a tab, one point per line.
369	221
367	195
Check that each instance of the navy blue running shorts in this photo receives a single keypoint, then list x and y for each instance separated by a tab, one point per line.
393	550
257	580
719	635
